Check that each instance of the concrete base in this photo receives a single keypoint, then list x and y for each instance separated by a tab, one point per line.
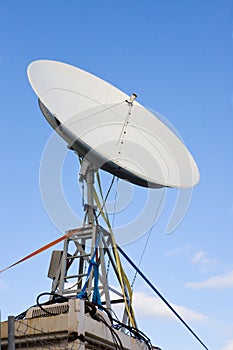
67	326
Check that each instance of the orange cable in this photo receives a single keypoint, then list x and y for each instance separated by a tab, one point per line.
40	250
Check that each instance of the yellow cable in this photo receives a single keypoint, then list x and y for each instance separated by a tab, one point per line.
122	276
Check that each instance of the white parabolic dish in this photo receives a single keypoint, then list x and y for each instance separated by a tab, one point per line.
98	121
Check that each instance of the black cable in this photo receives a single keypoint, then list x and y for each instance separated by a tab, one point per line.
57	298
114	209
160	295
136	333
106	197
23	314
106	310
115	336
147	239
109	313
91	308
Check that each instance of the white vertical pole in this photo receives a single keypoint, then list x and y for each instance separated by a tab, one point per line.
90	194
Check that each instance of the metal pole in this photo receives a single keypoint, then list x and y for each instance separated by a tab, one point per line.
90	194
11	333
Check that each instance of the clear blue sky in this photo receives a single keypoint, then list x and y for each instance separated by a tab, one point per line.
177	56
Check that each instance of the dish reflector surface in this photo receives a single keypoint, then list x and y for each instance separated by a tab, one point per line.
98	121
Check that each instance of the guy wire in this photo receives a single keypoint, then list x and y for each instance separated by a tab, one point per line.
147	240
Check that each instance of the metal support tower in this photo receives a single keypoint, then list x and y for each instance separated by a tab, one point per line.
69	267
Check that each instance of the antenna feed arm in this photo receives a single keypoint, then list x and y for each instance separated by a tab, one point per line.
131	99
86	168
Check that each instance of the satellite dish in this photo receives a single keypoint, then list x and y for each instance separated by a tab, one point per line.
103	123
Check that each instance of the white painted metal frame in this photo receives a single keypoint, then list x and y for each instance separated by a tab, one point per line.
84	244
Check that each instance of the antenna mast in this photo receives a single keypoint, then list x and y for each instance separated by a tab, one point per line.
79	270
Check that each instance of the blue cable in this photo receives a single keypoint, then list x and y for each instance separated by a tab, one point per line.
160	295
96	294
